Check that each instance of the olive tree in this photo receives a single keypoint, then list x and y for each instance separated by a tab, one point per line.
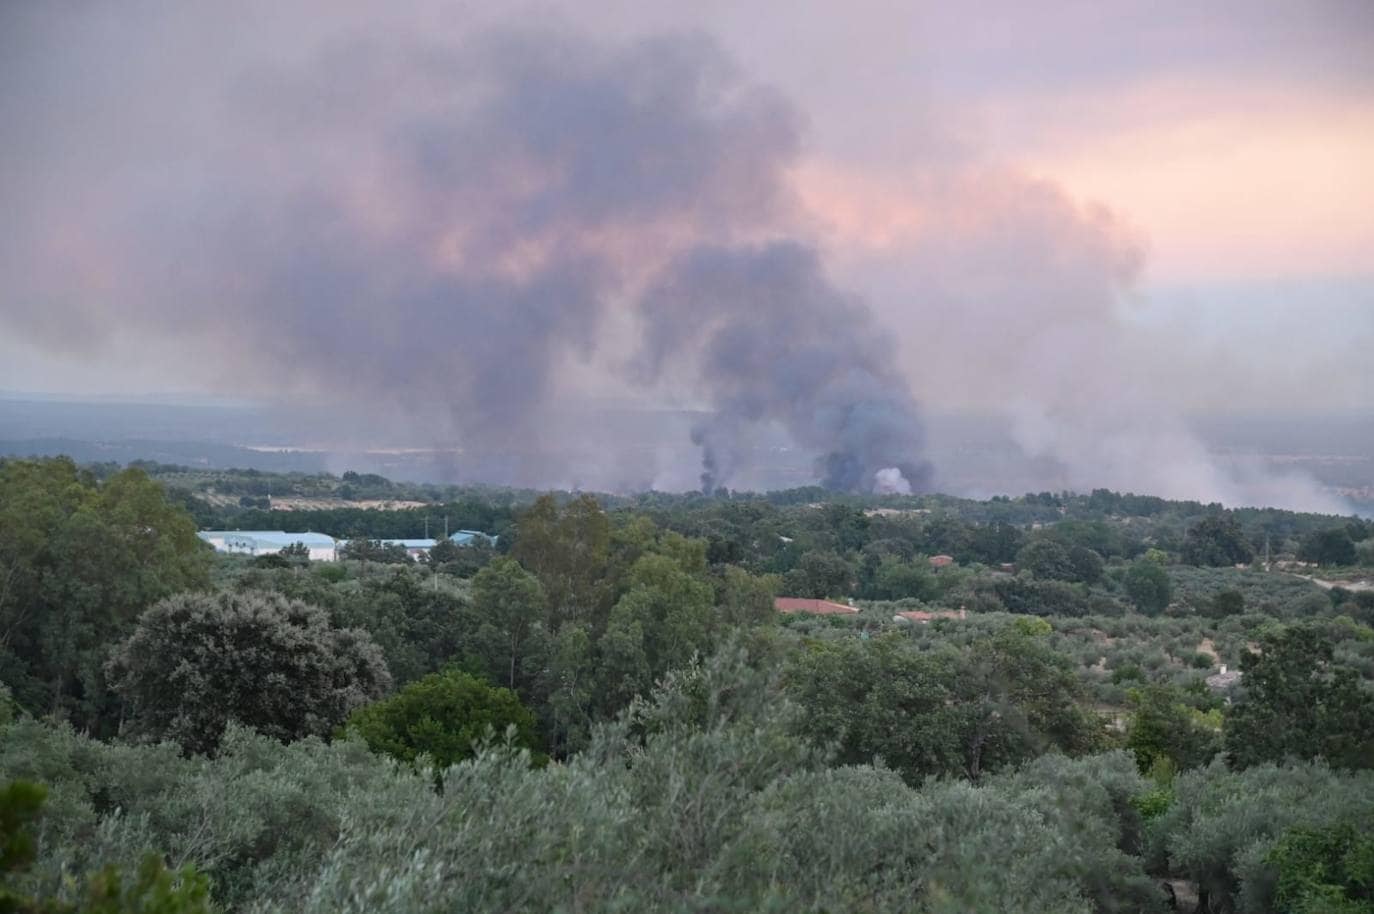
79	560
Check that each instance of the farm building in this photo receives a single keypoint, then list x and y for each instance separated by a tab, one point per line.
1224	680
419	548
814	607
322	548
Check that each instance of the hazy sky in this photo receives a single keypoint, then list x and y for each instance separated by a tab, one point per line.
1068	211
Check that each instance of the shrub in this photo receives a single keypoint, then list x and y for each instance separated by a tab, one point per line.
331	572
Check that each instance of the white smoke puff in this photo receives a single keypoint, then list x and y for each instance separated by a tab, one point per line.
890	481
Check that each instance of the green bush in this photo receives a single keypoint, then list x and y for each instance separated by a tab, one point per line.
445	717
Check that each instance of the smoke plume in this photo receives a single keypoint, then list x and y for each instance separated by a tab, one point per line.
451	226
772	339
1025	300
406	222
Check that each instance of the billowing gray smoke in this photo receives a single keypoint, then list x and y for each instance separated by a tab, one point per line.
773	340
403	222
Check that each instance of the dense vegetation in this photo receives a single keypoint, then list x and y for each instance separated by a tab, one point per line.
605	712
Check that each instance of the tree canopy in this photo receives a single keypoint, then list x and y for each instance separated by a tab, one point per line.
79	560
1217	540
1299	703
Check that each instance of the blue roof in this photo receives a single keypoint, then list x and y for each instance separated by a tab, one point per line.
463	537
409	544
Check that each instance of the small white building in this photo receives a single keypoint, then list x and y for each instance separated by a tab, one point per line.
322	548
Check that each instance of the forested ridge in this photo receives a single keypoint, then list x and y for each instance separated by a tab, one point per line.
604	711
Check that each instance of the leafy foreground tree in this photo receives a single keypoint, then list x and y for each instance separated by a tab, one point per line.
1325	870
420	629
511	603
444	716
1165	730
151	890
567	550
79	560
198	661
1299	703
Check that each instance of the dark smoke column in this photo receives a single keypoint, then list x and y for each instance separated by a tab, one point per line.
773	340
428	229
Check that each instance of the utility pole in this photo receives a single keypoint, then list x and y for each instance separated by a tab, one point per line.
433	572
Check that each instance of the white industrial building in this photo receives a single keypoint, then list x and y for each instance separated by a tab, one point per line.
323	548
419	548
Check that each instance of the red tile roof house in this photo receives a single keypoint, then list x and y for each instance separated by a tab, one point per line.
940	561
917	615
814	607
